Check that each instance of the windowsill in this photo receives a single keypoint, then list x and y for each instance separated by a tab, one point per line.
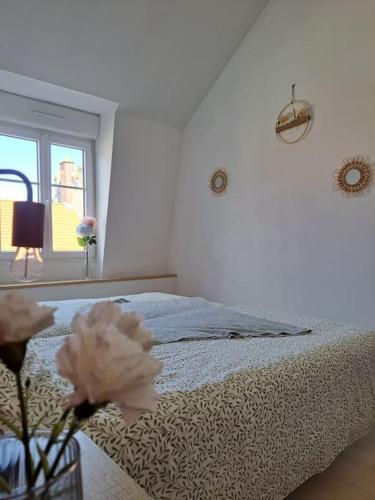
52	257
39	284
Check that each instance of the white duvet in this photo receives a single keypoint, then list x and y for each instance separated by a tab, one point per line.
187	365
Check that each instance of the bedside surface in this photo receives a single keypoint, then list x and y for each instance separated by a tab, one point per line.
102	478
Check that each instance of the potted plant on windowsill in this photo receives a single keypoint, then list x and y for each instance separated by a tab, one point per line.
106	359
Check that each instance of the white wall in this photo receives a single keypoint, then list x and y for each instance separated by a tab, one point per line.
142	192
281	238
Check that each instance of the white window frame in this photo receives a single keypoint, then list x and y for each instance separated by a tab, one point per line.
45	138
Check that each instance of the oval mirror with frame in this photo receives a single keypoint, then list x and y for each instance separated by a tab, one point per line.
354	176
219	181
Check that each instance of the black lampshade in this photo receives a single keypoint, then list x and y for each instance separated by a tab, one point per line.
28	224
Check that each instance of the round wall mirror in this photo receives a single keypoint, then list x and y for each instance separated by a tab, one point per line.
219	181
353	177
294	122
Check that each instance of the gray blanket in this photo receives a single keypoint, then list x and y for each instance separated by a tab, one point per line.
175	320
198	319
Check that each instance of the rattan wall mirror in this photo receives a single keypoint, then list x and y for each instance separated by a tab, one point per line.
294	120
219	181
354	176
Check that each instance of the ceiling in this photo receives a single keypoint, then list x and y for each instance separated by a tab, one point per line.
157	58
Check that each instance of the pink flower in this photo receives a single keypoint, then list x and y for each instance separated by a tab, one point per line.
89	222
129	324
21	318
105	365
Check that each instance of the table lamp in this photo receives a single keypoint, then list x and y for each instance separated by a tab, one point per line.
27	234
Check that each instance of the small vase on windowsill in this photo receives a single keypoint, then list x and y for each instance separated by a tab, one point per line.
86	239
86	264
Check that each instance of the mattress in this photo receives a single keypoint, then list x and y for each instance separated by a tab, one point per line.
238	418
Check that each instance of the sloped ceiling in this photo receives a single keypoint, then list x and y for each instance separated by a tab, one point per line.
157	58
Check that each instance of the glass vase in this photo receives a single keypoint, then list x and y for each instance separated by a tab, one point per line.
67	483
86	264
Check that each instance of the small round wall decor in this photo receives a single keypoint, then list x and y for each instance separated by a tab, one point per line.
219	181
354	176
294	120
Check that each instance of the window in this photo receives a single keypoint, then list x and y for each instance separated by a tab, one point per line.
61	172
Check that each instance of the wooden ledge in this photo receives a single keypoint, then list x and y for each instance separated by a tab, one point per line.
41	284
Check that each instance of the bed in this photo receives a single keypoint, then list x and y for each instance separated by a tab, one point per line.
248	418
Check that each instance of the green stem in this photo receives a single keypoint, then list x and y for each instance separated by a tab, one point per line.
25	432
51	441
74	427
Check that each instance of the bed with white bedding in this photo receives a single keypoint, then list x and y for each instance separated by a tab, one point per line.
248	418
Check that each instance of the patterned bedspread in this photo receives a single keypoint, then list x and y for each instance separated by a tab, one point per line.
237	419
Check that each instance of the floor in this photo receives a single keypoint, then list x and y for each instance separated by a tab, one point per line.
350	477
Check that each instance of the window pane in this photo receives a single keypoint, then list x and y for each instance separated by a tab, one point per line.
67	165
19	154
67	210
9	192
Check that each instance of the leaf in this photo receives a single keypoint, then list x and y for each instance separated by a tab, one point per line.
36	427
4	485
57	429
83	240
44	460
12	427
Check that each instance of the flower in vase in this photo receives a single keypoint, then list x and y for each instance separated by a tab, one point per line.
20	318
129	324
85	231
89	222
105	365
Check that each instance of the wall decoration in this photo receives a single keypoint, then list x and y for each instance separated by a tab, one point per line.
354	176
294	120
219	181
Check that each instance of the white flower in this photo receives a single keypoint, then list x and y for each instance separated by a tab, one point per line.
21	318
130	324
106	366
